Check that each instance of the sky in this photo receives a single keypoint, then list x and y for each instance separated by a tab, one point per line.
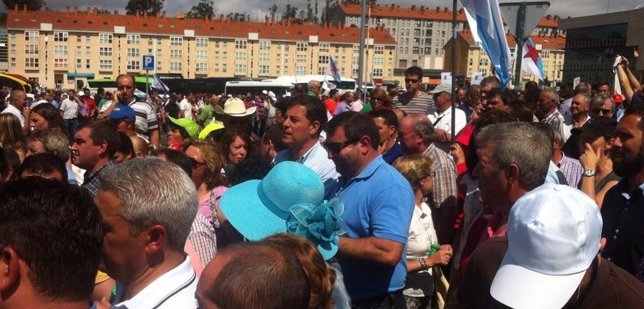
259	8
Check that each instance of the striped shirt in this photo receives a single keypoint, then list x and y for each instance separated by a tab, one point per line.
420	104
444	194
146	117
203	239
571	169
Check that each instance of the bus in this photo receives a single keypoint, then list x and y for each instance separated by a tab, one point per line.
346	84
109	84
255	87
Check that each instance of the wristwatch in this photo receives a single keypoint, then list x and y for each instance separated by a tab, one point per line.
589	173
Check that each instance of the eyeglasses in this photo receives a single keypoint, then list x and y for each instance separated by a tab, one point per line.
604	111
410	80
335	148
196	164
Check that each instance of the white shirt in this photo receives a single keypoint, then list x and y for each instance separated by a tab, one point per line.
10	109
445	123
316	159
357	105
186	108
69	108
421	232
174	289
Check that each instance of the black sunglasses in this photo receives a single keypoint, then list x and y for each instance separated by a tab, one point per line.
196	164
335	148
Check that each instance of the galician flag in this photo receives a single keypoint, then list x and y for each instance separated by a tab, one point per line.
531	62
159	85
334	71
489	25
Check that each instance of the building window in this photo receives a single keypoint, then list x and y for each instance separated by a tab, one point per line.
133	65
60	63
264	45
240	69
264	69
133	39
378	61
240	56
300	57
31	35
29	49
323	59
31	62
202	67
300	70
175	66
159	65
105	64
79	63
133	52
202	54
60	36
13	61
240	44
88	64
302	46
105	51
176	41
60	50
105	38
324	47
264	57
175	53
378	49
202	42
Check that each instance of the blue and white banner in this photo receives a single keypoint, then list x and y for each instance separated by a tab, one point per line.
159	85
531	62
489	24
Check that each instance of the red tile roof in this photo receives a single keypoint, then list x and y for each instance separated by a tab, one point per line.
426	13
547	42
414	12
88	21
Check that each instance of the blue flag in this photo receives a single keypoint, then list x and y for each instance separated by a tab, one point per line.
489	25
334	71
159	85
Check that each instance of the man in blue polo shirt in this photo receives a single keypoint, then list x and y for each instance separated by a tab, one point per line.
378	206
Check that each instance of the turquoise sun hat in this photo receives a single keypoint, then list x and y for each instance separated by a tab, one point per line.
289	199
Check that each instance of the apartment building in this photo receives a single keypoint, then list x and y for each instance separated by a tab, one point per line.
421	31
56	48
472	58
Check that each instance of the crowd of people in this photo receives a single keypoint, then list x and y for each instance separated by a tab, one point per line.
321	199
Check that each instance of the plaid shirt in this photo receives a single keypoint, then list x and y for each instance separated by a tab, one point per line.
91	181
203	239
444	193
571	169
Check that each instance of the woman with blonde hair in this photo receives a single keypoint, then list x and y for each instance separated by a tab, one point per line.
12	136
423	251
207	162
321	278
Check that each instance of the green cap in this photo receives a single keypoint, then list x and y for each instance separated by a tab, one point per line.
188	124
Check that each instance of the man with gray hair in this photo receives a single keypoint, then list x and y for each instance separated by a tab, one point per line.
53	141
602	105
416	135
314	88
513	160
148	206
547	111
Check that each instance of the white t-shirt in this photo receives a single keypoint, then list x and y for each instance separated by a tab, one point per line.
186	108
69	108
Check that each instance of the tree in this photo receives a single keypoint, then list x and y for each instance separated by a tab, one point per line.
273	12
32	5
290	12
152	7
202	9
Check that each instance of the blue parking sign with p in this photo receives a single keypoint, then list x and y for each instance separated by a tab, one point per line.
148	62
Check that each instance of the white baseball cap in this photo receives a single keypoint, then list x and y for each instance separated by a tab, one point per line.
553	238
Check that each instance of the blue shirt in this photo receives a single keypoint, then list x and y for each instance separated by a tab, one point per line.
392	154
318	160
379	202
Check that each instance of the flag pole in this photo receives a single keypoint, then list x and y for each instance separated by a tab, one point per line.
519	42
453	69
